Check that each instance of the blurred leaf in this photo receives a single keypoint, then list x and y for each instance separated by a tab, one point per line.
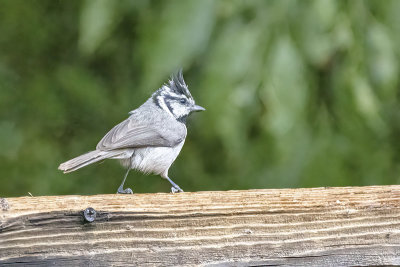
368	104
287	93
172	37
230	59
98	19
11	140
384	65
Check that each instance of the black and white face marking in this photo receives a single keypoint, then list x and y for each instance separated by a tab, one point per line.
175	98
178	105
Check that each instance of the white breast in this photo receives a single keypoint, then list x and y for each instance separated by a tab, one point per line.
155	160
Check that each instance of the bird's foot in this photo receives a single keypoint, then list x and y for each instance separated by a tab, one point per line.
124	191
176	189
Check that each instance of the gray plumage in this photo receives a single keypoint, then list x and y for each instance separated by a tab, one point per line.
150	139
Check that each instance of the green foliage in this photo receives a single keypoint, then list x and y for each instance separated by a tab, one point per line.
298	93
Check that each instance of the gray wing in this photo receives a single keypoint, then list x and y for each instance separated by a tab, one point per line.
131	134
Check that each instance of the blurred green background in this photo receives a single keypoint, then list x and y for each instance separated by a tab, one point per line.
298	93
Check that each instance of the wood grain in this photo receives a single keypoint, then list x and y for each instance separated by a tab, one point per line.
297	227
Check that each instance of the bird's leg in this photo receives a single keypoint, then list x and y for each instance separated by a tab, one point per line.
121	189
175	188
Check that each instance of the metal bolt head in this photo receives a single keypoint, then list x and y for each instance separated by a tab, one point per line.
89	214
4	204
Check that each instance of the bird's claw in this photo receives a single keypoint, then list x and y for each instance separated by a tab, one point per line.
124	191
176	189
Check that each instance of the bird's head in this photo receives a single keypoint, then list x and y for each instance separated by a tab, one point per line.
175	98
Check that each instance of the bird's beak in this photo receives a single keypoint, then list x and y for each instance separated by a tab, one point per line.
197	108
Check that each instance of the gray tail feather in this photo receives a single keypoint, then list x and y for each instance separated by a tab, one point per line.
86	159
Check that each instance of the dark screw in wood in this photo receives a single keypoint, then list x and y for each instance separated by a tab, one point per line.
89	214
4	204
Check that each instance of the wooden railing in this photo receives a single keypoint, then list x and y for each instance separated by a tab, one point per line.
315	226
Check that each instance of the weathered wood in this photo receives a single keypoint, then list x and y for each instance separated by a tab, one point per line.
316	226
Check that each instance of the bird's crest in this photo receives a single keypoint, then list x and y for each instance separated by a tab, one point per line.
177	84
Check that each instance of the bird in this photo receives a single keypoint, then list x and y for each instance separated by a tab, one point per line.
151	138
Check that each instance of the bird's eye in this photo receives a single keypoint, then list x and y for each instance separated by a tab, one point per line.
183	101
